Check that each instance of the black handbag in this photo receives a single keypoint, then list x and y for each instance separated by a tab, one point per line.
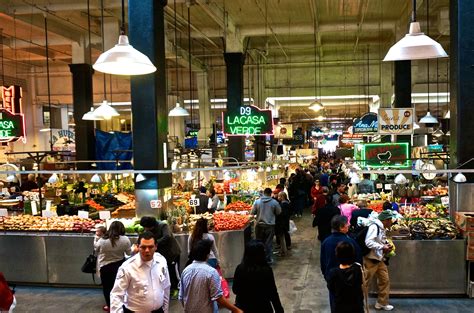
90	265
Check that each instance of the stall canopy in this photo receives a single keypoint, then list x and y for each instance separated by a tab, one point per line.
112	147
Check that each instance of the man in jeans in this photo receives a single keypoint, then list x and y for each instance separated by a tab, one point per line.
266	208
375	261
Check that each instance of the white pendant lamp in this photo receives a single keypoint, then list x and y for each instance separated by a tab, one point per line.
140	177
105	111
178	111
459	178
438	133
123	59
448	114
90	116
53	179
400	179
316	106
96	179
429	119
415	45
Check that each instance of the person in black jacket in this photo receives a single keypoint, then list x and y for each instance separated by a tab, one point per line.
254	283
323	217
345	281
282	224
167	246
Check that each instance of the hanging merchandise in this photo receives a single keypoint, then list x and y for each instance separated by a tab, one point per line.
123	59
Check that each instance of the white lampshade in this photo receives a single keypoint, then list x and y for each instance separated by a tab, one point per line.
400	179
316	106
90	116
428	119
53	179
96	179
12	179
178	111
460	178
140	177
448	133
438	133
105	111
415	46
448	114
123	59
189	176
415	125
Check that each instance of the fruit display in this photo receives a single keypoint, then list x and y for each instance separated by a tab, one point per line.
422	229
125	211
436	191
229	221
218	188
109	201
430	210
94	205
376	206
193	218
125	197
228	183
238	206
58	223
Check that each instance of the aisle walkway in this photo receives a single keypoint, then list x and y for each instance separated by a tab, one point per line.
299	281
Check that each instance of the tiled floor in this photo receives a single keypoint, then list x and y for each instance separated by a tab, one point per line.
299	281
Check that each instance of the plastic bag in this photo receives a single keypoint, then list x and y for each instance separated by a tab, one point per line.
224	283
292	227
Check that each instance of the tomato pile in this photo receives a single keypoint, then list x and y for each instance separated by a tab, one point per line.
229	221
95	205
238	206
376	206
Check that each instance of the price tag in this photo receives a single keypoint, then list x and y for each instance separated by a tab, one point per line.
83	214
445	201
379	186
388	186
155	204
47	214
104	215
3	212
34	208
194	202
48	205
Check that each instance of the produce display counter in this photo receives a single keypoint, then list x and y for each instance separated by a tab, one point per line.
428	267
56	258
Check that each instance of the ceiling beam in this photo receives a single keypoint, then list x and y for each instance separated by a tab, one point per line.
363	11
218	15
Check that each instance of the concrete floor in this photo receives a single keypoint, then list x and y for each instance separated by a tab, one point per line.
299	281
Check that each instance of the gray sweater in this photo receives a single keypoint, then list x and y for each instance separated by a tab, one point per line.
107	254
266	208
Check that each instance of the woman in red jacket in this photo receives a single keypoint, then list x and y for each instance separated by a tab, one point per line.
319	200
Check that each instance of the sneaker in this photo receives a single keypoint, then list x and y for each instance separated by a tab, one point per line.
387	307
105	308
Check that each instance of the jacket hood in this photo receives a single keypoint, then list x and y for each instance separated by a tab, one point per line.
349	274
266	199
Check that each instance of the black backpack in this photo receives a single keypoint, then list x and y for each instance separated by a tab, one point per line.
359	237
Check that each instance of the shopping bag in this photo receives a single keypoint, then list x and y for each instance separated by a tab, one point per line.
6	294
90	265
224	283
292	227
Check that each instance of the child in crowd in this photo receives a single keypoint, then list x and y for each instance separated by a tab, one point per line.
345	281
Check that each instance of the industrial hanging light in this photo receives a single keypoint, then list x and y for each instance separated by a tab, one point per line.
90	116
178	111
316	105
96	179
438	133
53	179
123	59
105	111
459	178
415	45
429	119
400	179
140	177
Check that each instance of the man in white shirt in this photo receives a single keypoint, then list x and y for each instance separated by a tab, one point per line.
143	283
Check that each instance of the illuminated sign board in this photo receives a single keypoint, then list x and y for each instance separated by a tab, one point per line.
248	120
12	121
395	155
366	124
396	121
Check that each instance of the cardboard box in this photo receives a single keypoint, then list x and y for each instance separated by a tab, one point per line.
465	221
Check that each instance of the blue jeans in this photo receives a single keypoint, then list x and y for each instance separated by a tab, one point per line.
264	233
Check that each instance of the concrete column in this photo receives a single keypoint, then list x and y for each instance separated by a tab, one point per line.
461	85
386	85
205	112
82	94
176	124
149	105
402	91
111	31
80	52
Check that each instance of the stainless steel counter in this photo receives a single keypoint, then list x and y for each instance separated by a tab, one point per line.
54	258
428	267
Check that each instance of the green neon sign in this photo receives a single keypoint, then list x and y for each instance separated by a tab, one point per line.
11	126
391	155
248	120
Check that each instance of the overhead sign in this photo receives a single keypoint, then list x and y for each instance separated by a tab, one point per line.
248	120
284	131
395	155
12	121
396	121
64	140
297	138
366	124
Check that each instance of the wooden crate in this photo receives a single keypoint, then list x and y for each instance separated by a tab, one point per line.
465	221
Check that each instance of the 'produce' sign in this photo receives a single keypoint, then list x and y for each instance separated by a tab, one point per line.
395	155
396	121
248	120
12	121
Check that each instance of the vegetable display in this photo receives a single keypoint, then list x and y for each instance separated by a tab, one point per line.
229	221
422	229
238	206
57	223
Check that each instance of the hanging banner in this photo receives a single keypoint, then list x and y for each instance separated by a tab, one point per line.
64	140
390	155
284	131
366	124
396	121
12	120
248	121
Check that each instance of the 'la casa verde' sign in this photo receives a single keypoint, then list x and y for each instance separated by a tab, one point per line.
248	120
12	120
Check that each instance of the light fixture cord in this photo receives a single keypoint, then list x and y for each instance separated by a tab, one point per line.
176	51
89	30
428	34
48	83
122	26
103	42
413	14
190	67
